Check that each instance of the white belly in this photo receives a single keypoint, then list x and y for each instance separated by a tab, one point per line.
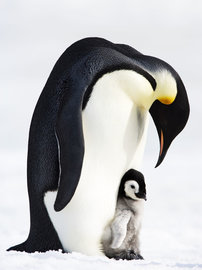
114	143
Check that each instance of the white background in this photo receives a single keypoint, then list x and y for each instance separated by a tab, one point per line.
33	34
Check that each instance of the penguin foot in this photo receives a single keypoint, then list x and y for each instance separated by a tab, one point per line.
128	255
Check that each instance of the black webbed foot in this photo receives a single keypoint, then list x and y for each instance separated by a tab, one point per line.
128	255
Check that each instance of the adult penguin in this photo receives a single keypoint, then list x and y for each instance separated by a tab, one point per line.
88	128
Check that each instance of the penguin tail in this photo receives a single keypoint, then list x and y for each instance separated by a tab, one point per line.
21	247
37	244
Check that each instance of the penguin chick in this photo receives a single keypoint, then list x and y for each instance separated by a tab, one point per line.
121	237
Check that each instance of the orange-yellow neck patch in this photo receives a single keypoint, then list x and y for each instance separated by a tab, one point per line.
166	100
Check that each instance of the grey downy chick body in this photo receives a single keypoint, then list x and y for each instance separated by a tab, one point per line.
121	237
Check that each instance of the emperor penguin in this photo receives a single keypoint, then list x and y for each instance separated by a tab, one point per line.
121	237
88	128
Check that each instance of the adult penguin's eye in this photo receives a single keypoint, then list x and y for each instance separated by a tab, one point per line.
132	186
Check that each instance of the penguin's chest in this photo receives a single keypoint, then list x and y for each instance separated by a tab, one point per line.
114	138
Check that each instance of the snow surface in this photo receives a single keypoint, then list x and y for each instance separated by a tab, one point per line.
34	33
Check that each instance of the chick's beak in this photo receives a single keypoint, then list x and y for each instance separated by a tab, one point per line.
141	196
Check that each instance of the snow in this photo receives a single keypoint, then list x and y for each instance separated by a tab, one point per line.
33	35
55	260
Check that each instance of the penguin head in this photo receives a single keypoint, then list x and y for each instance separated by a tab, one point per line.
159	90
134	190
133	185
167	103
170	109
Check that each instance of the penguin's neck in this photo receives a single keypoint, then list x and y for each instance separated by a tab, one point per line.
136	206
116	118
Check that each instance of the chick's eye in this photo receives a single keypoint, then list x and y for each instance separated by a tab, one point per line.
132	186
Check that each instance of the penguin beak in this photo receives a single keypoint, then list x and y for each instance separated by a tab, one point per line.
145	197
170	119
141	196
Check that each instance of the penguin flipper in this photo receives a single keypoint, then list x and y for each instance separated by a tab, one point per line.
69	133
119	228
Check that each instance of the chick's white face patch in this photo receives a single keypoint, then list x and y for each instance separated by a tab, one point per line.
131	187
